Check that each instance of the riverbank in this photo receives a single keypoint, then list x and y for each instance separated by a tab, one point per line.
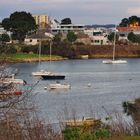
25	57
121	51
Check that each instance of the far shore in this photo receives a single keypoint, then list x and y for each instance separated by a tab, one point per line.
29	58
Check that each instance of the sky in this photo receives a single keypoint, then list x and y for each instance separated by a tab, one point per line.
80	11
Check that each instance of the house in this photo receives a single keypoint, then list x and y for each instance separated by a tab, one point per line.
34	39
98	36
56	27
99	40
83	38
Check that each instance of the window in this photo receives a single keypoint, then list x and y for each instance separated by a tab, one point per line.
97	41
30	40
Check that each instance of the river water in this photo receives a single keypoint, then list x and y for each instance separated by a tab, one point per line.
110	86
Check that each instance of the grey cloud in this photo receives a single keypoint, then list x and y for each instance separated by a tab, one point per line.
81	11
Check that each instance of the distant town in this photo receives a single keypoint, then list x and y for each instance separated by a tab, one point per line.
31	29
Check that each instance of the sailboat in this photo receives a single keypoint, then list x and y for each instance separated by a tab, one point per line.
41	72
113	61
47	75
52	75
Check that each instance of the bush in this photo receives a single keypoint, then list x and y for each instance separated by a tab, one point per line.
28	49
7	49
85	133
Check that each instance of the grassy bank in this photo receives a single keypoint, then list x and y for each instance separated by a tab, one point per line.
25	57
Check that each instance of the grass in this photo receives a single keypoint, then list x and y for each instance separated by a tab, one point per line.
24	57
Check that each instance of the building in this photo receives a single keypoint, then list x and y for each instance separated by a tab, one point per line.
56	27
42	20
83	38
135	29
98	36
2	31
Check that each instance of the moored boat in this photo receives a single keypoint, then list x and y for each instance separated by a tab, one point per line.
59	86
12	80
83	121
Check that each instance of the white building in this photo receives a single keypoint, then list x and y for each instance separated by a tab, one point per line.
56	27
98	36
2	31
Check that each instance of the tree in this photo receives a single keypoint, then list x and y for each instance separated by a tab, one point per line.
66	21
131	37
20	24
124	22
71	37
131	21
57	38
111	37
4	38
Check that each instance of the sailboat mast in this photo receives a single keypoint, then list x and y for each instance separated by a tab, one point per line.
114	44
50	51
39	50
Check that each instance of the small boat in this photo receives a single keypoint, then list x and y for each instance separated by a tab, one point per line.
12	80
83	121
59	86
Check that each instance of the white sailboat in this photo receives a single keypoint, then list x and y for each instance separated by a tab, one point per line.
52	75
41	72
47	75
113	61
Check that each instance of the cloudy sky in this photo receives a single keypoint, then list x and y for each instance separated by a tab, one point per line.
80	11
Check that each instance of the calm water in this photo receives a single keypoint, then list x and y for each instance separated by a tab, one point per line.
110	86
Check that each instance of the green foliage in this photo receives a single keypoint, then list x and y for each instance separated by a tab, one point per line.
19	23
111	37
66	21
4	38
28	49
124	22
102	133
85	133
133	38
57	38
71	36
133	19
7	49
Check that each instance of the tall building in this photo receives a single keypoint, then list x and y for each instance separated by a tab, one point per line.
42	20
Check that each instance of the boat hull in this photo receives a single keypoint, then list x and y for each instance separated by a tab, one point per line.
53	77
59	86
114	62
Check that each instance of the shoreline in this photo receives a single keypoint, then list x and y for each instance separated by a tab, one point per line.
29	58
